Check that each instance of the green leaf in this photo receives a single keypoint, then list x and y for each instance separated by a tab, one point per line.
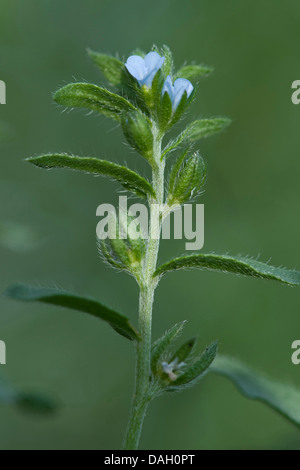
283	398
197	130
118	322
181	108
172	145
128	178
105	251
31	402
160	346
154	94
86	95
164	111
131	90
193	72
229	264
168	62
184	103
197	369
205	128
184	351
111	67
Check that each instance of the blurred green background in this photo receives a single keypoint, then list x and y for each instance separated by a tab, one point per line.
47	224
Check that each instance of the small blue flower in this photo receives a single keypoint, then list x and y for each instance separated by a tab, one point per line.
145	69
176	91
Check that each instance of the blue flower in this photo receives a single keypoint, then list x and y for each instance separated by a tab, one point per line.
145	69
176	91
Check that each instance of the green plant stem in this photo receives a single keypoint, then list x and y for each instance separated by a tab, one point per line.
142	393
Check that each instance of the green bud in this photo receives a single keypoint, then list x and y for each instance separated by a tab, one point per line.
123	253
137	130
177	373
187	178
160	347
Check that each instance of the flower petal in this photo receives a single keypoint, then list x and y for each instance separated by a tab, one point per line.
181	86
149	78
153	61
183	83
168	87
136	67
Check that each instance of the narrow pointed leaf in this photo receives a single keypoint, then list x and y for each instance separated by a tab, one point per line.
198	130
107	255
160	346
89	96
128	178
197	369
181	108
283	398
173	144
184	351
164	110
165	52
111	67
168	62
118	322
154	97
193	72
229	264
205	128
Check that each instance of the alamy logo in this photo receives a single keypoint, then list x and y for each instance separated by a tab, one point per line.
2	92
133	222
2	353
296	354
296	94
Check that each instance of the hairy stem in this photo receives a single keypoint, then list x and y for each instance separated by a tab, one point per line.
142	396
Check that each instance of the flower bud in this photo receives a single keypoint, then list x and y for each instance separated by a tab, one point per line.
187	179
123	253
137	130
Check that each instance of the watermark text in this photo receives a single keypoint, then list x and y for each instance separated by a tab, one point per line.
2	353
2	92
296	354
137	221
296	94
